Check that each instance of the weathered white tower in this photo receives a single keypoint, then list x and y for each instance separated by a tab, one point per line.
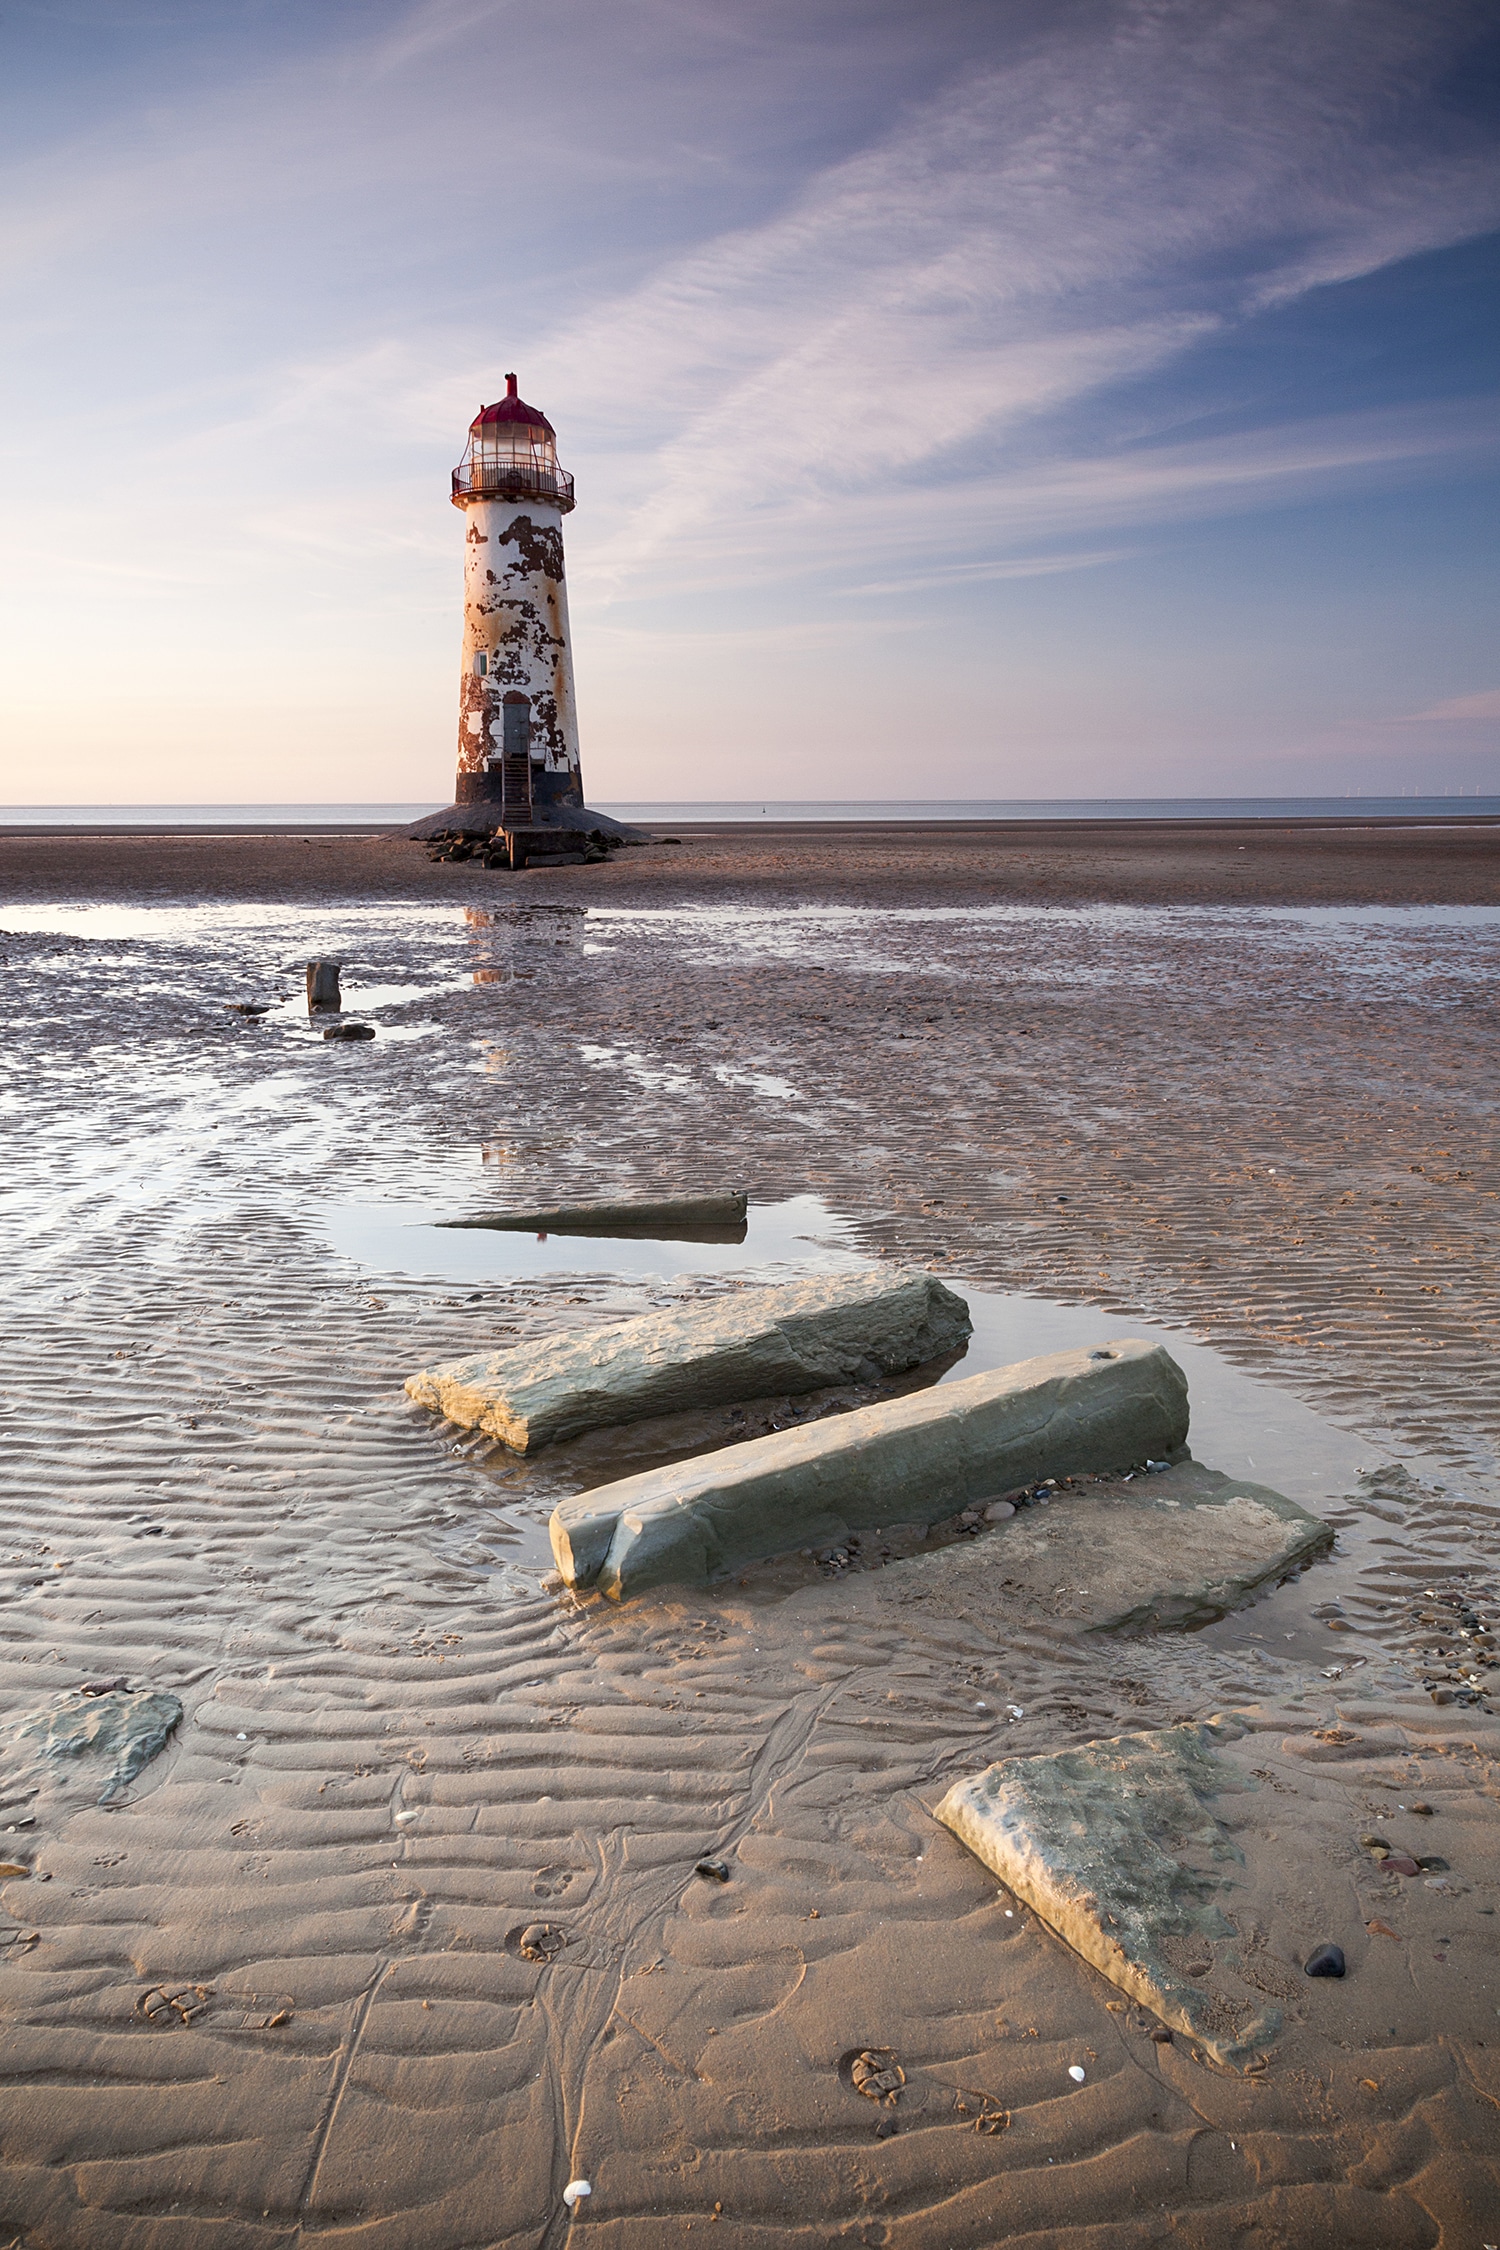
517	724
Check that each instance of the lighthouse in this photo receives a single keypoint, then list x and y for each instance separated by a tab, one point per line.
518	767
517	718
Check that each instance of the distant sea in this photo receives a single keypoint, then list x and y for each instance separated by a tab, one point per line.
1067	808
655	814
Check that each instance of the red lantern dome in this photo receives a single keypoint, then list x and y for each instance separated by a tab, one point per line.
512	408
512	456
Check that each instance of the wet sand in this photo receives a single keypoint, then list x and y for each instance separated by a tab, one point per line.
1233	1085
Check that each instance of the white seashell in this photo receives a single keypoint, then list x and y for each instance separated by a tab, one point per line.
575	2191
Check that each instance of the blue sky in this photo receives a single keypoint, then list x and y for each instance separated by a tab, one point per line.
985	400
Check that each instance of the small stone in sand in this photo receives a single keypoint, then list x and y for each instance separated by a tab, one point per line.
540	1941
1424	1809
1400	1863
350	1031
716	1870
877	2075
1325	1961
1161	2036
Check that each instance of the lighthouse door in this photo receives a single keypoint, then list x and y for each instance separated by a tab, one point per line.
515	756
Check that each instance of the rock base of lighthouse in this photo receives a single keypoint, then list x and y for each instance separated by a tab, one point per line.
485	817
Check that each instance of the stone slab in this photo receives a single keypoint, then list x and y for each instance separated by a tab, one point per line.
657	1220
908	1460
755	1344
1168	1551
1116	1847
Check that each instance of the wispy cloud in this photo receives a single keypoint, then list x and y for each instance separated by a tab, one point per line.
1485	705
1034	236
989	573
990	522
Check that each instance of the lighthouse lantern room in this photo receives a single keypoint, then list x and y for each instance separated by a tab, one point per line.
518	725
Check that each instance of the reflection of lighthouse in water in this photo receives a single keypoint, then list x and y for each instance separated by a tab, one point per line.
518	724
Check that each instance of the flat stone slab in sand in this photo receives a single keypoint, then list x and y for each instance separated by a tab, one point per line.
1171	1550
764	1342
1116	1848
907	1460
123	1728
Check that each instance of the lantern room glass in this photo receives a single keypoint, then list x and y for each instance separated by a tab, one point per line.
498	446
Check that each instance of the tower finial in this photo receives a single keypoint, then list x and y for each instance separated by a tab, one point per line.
510	386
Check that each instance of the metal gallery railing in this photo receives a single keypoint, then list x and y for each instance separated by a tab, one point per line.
513	480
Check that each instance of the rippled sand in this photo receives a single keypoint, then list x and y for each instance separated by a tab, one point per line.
278	1992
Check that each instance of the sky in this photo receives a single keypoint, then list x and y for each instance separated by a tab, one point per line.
966	398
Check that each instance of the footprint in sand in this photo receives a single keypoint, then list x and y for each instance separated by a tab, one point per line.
551	1882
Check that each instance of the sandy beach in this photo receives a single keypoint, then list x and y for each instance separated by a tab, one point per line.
1228	1086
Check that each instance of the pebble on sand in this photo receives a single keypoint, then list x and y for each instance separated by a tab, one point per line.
1325	1961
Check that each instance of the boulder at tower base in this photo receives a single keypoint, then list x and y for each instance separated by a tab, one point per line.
907	1460
761	1343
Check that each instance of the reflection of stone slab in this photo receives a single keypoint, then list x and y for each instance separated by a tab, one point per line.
1115	1848
757	1344
1176	1549
724	1215
907	1460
